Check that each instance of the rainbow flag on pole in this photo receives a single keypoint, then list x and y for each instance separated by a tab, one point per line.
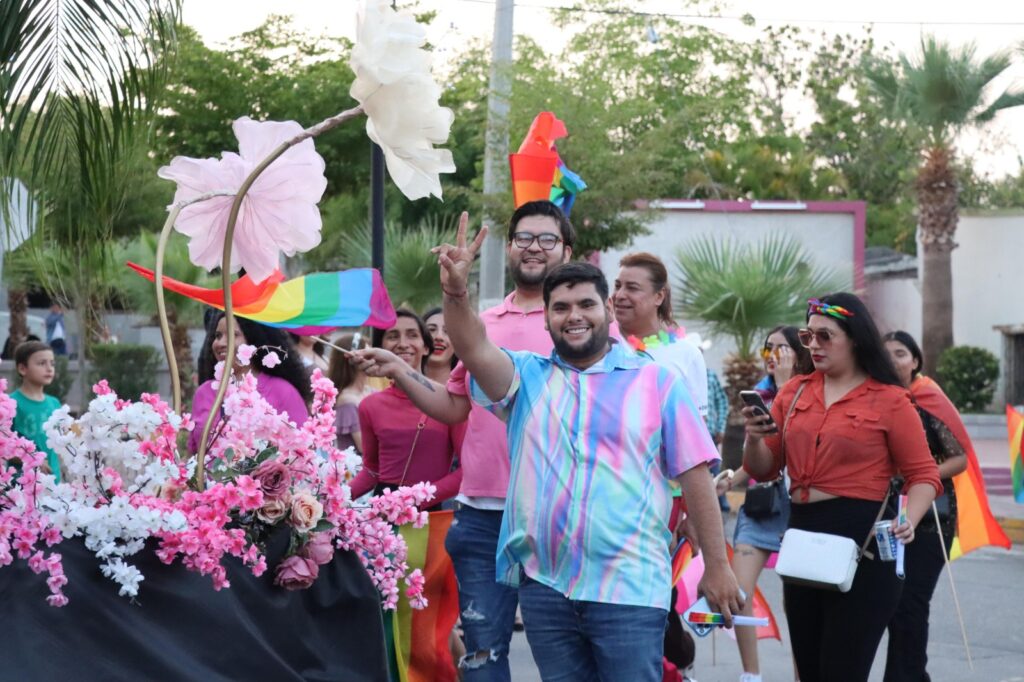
1015	431
537	170
311	304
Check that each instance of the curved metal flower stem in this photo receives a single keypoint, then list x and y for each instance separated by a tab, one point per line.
222	390
161	307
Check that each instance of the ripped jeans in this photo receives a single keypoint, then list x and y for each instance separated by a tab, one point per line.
488	608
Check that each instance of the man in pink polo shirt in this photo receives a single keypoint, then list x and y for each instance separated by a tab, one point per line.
539	238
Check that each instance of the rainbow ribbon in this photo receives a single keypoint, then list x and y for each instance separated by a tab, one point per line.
701	618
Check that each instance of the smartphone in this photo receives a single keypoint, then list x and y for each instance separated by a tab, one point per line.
754	399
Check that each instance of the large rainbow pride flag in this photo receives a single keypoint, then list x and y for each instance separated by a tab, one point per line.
1015	429
308	305
975	524
537	170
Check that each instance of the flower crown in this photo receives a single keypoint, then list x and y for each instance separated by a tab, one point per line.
816	307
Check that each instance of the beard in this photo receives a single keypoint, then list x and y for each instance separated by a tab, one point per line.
522	278
598	340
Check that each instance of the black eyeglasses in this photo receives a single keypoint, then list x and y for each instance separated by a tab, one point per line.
547	241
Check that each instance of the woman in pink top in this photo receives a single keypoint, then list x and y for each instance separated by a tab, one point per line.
401	445
285	386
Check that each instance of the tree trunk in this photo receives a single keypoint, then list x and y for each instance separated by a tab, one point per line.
17	304
936	305
183	356
937	194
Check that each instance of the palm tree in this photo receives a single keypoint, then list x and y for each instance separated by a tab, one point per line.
78	81
943	91
411	272
740	291
183	313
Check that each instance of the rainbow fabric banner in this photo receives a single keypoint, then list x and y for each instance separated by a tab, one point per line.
308	305
975	525
687	571
420	637
1015	431
537	170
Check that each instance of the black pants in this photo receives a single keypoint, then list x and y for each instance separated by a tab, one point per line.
907	657
835	635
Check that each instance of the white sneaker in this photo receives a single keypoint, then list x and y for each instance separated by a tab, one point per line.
750	677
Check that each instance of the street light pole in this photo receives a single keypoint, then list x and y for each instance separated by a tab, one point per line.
492	257
377	207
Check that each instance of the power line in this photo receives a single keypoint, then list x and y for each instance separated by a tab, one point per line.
738	17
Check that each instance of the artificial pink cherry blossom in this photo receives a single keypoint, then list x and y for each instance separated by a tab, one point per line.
279	212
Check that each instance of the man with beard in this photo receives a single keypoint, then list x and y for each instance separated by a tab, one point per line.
595	434
540	237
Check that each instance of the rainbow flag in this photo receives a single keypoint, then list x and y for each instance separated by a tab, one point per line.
975	524
537	170
1015	431
420	637
687	571
309	305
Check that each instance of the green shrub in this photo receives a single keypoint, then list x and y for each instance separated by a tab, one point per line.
61	383
130	369
968	376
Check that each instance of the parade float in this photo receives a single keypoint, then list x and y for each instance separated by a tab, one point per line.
247	560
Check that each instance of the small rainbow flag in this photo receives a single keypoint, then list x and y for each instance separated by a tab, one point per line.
308	305
537	170
1015	431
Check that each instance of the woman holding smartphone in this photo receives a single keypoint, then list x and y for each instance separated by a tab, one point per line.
757	536
843	432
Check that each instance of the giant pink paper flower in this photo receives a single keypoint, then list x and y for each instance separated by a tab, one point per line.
279	212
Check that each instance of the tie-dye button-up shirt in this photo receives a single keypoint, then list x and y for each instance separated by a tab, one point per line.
592	453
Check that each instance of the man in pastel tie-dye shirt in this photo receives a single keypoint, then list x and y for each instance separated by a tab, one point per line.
595	434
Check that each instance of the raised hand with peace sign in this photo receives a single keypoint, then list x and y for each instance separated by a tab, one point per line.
456	261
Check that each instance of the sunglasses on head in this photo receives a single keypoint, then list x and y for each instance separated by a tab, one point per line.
823	336
546	241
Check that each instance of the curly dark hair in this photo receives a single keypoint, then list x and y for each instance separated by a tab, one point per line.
266	339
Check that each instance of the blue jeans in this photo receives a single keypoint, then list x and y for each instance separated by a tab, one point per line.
487	608
585	640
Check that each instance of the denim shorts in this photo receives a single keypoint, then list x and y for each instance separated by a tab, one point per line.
765	533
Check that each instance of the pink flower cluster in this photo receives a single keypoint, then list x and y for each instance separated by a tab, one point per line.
24	527
126	482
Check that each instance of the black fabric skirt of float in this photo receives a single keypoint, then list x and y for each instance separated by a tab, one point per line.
179	628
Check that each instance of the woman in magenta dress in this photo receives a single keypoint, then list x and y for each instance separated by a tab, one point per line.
401	445
285	387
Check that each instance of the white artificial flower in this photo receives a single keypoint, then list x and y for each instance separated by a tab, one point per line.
400	98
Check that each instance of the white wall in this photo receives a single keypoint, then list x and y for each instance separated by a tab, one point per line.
828	238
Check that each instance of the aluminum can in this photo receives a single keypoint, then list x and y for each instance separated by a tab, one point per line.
886	540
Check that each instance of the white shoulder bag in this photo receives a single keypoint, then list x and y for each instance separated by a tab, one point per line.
821	560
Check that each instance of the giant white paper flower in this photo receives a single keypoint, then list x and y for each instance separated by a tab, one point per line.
279	212
400	98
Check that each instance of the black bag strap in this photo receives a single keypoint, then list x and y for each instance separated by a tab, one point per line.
871	531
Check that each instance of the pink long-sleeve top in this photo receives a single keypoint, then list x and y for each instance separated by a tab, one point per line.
388	422
281	395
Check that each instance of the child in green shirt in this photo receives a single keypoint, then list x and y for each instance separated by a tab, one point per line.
34	362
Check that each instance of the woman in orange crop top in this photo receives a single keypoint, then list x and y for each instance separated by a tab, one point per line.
852	427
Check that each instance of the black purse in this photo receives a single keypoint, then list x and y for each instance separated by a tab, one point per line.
763	500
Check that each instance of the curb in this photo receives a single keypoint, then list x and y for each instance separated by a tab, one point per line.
1014	528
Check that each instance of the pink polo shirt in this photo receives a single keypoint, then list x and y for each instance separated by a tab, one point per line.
485	463
485	460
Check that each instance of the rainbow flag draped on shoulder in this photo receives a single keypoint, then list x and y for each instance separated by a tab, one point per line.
311	304
975	525
538	172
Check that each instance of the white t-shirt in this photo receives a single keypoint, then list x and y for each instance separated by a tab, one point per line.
686	359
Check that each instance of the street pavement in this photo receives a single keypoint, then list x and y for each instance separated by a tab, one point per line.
990	586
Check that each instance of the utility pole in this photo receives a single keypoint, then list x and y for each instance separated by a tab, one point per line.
492	257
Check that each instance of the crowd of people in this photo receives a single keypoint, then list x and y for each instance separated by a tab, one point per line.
574	429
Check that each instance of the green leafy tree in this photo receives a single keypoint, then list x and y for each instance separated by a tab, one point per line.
944	90
740	291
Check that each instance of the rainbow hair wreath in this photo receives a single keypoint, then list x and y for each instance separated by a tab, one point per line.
816	307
